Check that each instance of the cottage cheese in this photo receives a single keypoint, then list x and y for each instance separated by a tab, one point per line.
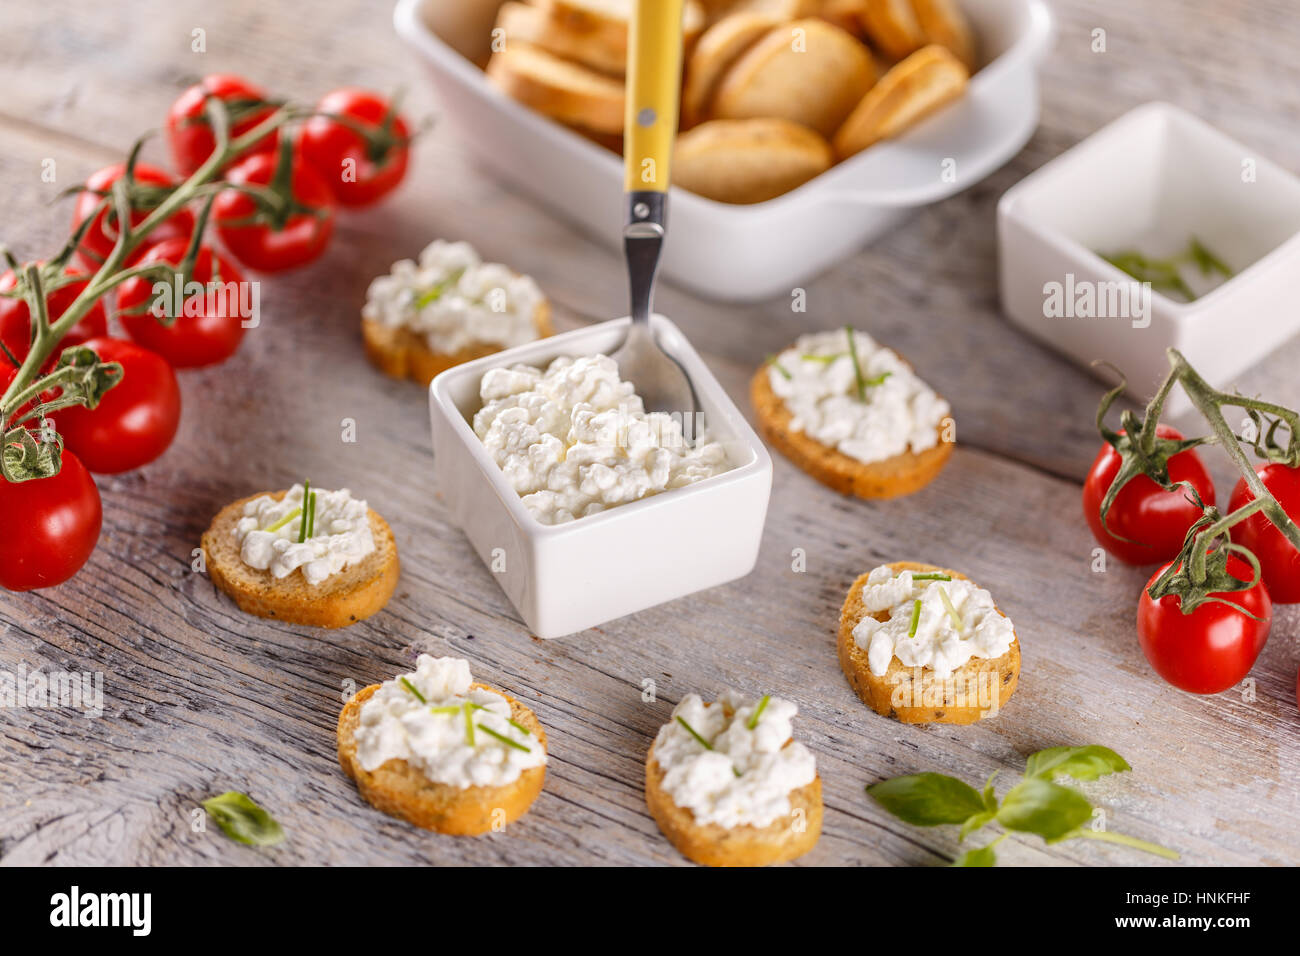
341	535
817	382
706	782
575	439
455	300
938	644
433	735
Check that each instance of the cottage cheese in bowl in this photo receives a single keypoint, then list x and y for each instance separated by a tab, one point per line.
870	411
269	533
574	439
732	762
454	300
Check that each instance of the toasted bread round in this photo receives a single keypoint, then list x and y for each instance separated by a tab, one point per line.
891	477
718	48
400	790
806	71
562	90
401	353
943	22
845	14
351	595
748	161
898	694
784	839
911	90
892	27
605	21
525	23
784	9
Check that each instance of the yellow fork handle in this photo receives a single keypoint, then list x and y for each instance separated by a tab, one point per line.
654	76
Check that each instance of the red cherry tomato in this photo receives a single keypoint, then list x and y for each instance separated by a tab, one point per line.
16	320
52	526
1277	556
356	170
212	333
261	246
102	234
1154	520
1215	646
136	419
190	134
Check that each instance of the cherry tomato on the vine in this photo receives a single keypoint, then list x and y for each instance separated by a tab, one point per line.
102	234
1154	520
1277	556
1215	646
136	419
210	325
189	132
16	319
52	525
357	168
270	246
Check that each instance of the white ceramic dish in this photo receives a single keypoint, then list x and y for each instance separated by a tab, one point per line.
1152	180
744	253
569	577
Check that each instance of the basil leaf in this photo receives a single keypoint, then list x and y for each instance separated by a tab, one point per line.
1048	809
974	823
243	820
980	856
928	799
1081	763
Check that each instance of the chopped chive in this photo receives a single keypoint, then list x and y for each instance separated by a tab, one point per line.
772	361
449	709
435	292
758	711
311	516
519	727
414	692
1206	260
808	357
736	771
916	618
932	576
469	724
691	730
505	740
285	520
857	366
878	379
957	622
306	500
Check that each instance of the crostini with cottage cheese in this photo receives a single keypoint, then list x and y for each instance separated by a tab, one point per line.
729	786
924	644
865	425
307	556
442	752
451	307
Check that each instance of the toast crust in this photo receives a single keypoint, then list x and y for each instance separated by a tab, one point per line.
560	89
601	49
718	48
748	161
714	845
401	353
398	789
891	477
943	22
892	27
930	702
913	89
351	595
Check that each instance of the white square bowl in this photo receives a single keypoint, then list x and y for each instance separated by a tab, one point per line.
1151	180
568	577
751	252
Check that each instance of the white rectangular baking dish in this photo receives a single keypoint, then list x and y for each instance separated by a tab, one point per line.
1152	180
745	253
568	577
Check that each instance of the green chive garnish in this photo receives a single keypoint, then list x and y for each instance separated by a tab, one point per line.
469	724
878	379
506	740
449	709
411	687
519	727
772	361
857	367
827	359
691	730
303	534
932	576
916	618
436	291
311	516
957	622
736	772
758	712
285	520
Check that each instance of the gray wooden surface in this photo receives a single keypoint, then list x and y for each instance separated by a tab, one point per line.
201	698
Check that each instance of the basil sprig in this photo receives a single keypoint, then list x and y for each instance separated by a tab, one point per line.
1039	804
243	820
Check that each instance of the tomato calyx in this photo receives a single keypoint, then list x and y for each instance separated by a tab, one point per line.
382	139
1200	574
276	202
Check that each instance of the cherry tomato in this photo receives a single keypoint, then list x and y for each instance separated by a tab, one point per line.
52	526
136	419
1154	520
1277	556
210	335
16	320
260	245
356	170
190	133
102	234
1215	646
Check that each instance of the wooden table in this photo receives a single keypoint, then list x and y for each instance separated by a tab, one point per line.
201	698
